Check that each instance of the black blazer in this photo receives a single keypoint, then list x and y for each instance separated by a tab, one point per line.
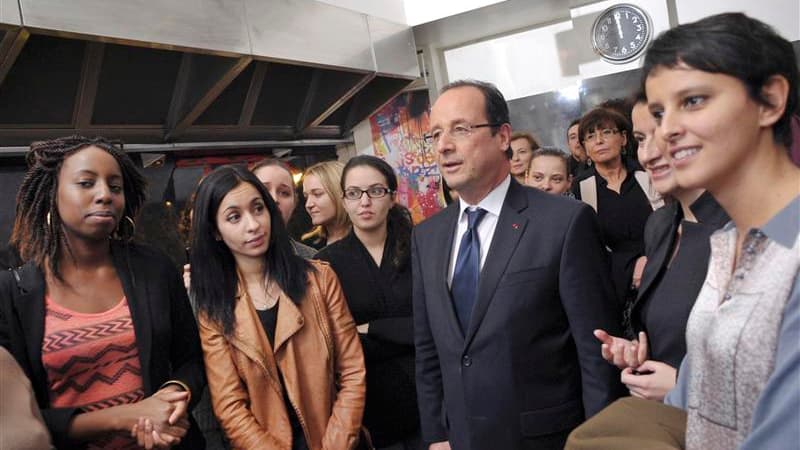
166	332
528	365
659	244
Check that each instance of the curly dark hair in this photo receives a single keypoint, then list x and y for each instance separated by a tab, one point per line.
41	240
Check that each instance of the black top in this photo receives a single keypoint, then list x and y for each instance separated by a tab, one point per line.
664	316
269	320
579	170
622	218
669	290
166	331
381	296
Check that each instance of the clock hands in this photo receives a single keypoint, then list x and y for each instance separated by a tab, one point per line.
619	25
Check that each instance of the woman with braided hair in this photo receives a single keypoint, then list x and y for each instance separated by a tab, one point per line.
101	326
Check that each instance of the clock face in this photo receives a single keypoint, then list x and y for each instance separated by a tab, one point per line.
621	32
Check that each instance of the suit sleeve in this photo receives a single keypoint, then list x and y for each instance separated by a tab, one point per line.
186	355
349	370
589	302
430	393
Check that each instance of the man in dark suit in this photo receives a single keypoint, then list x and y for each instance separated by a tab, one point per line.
508	285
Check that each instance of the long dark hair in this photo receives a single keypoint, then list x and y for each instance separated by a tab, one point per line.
37	233
214	276
398	221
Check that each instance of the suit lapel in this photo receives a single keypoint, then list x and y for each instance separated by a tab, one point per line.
442	262
659	258
507	233
137	296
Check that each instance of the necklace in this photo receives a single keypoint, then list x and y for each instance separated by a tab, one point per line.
270	298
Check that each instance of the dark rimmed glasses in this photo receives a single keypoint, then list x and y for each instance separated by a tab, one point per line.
459	131
354	193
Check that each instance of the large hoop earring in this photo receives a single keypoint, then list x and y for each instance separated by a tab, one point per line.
119	235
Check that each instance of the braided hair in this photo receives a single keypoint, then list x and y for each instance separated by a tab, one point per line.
38	233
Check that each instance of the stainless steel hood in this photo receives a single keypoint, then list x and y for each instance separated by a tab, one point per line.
195	70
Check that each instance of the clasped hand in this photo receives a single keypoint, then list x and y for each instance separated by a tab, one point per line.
162	418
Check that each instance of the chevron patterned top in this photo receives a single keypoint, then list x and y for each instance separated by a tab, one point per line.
92	362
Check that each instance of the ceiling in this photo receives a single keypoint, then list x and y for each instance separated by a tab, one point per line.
167	86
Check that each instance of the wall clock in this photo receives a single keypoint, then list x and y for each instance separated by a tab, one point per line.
621	33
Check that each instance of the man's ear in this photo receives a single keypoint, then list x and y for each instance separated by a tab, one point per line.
776	93
505	136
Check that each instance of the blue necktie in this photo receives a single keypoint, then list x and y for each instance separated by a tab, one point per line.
468	267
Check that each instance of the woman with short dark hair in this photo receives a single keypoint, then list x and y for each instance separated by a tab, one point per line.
722	91
623	198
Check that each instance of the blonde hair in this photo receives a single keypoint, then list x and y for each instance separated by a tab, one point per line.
329	174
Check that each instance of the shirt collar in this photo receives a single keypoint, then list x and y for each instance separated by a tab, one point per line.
492	203
784	227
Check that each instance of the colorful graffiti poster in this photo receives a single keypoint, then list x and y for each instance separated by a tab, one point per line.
397	131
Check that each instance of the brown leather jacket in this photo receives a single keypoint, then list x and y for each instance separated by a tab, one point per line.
319	355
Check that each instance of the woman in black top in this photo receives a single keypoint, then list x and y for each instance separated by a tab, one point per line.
622	197
676	241
373	265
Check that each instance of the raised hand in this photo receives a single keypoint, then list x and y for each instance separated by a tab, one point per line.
615	349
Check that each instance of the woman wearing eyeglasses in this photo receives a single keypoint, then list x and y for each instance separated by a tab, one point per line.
623	198
373	265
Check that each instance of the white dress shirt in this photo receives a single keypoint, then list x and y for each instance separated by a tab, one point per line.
492	203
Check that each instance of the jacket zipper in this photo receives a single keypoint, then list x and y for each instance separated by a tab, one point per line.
299	418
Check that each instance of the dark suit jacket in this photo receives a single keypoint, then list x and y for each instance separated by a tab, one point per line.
166	332
660	233
528	365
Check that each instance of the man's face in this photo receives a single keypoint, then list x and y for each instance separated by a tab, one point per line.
574	141
472	164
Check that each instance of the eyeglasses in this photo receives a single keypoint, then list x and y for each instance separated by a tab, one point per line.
354	193
606	133
460	131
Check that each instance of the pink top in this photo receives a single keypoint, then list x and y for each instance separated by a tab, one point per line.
92	362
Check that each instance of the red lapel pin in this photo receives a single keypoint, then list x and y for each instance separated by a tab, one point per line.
515	226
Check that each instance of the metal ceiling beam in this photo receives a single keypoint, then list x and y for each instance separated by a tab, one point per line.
253	92
339	102
10	48
24	134
87	91
186	146
175	129
311	92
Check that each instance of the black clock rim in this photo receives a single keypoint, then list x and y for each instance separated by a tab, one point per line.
638	52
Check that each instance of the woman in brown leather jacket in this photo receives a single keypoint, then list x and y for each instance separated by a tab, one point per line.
284	364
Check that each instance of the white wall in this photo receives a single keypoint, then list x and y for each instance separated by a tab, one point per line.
534	46
391	10
546	58
783	15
